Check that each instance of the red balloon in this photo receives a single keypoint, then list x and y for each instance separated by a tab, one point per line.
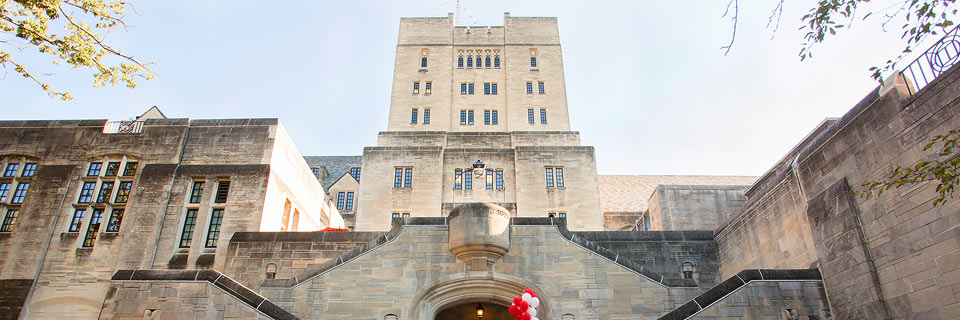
524	316
523	306
516	317
514	310
528	290
516	300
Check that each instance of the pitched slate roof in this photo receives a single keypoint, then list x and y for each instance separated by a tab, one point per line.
335	167
630	193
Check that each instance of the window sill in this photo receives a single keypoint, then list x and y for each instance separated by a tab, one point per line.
69	235
5	234
535	69
422	70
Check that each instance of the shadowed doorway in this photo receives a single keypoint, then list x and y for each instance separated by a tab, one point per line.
468	311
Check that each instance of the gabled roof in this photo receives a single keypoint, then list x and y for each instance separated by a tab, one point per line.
335	166
152	113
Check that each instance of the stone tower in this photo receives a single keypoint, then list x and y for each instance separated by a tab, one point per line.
490	93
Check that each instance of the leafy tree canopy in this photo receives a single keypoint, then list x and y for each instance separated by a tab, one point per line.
68	31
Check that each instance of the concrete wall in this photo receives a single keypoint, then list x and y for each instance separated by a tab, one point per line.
687	207
664	252
891	256
769	300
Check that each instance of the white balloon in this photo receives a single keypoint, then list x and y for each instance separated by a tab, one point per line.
534	318
534	302
532	311
526	297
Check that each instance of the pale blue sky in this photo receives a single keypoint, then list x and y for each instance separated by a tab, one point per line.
647	82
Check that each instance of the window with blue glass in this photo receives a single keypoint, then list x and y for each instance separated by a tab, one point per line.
478	61
499	179
9	220
493	117
549	177
463	117
29	169
416	88
469	61
407	177
20	193
4	189
470	88
486	88
463	88
349	205
486	62
554	177
533	62
355	172
106	188
486	116
94	169
493	88
95	219
196	192
423	62
397	177
470	117
341	197
77	220
457	179
413	116
116	217
468	180
427	87
543	115
11	170
540	87
86	192
460	62
530	115
529	87
496	61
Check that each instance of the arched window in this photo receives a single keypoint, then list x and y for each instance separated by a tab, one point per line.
687	269
390	316
496	61
478	61
486	62
423	59
460	61
469	61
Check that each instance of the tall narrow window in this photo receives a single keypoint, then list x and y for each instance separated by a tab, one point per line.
413	116
189	223
213	233
489	180
468	180
397	177
416	88
4	189
355	172
29	169
112	169
20	193
533	62
11	169
529	87
457	179
470	88
86	192
496	61
530	115
486	88
559	173
486	62
493	117
407	177
493	88
423	62
427	87
463	117
223	188
469	61
460	62
470	117
349	205
9	220
95	219
478	61
463	88
130	169
77	220
426	115
486	116
499	179
116	217
549	177
341	197
196	192
123	191
540	87
94	169
106	188
543	115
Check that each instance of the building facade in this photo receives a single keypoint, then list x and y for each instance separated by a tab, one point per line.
215	219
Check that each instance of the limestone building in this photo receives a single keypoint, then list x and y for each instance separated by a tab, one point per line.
162	218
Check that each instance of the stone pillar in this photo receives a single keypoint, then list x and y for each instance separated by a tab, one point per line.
479	234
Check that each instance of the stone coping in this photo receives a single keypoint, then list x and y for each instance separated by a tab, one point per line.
736	282
559	223
225	283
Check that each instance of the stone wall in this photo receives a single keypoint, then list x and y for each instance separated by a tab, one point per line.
891	256
665	252
688	207
292	253
173	300
771	300
14	294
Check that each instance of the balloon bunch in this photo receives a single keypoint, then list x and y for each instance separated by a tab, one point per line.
525	306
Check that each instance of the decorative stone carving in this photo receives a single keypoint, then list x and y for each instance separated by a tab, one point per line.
479	234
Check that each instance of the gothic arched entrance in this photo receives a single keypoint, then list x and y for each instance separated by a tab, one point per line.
452	292
468	311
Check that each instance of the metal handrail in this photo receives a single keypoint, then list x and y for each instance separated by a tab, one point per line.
933	62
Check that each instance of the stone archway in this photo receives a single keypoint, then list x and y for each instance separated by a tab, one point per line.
472	287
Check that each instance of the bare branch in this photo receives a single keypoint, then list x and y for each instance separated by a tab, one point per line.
777	13
736	11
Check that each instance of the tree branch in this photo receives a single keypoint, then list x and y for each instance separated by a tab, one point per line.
736	11
101	44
